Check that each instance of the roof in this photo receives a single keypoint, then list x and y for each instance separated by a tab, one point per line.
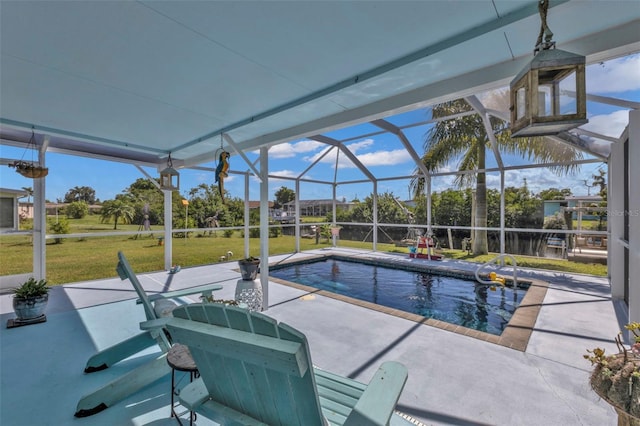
135	81
256	204
308	203
16	192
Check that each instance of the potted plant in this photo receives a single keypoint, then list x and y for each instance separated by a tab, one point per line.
30	299
249	268
616	378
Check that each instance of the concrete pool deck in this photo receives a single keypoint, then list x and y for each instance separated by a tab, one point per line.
453	379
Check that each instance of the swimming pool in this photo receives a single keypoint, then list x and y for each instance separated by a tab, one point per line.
450	299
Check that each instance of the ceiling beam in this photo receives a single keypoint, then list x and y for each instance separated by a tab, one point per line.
391	128
529	9
481	110
350	155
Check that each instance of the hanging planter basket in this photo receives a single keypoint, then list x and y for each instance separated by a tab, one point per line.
29	170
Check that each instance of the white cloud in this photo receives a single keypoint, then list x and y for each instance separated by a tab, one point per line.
615	76
284	173
357	146
369	159
608	124
384	158
288	150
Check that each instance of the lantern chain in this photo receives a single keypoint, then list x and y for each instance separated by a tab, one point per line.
543	7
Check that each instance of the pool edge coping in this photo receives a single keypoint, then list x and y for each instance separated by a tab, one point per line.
515	336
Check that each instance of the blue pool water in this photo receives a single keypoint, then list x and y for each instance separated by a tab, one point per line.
453	300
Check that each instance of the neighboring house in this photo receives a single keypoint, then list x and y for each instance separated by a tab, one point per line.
26	209
9	214
58	208
582	207
314	207
256	205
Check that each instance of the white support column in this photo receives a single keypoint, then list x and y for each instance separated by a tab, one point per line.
264	226
375	215
502	206
297	213
168	228
615	220
40	219
428	188
634	215
247	214
334	193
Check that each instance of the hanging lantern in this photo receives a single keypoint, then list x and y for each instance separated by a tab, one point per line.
549	95
169	177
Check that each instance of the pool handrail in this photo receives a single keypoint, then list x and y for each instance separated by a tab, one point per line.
499	257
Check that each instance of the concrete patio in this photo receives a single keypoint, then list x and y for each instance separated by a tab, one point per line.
453	379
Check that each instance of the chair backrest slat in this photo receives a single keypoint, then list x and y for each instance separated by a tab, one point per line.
250	363
126	272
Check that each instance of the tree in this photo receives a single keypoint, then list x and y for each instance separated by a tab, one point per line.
600	182
283	196
77	210
388	212
80	193
522	209
451	208
554	194
147	200
117	209
465	138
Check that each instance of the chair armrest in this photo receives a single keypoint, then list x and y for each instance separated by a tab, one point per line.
377	403
154	324
204	289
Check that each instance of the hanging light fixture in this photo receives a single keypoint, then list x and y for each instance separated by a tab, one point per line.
167	176
548	96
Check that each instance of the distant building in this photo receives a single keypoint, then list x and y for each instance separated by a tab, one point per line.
256	204
582	207
314	207
9	213
26	209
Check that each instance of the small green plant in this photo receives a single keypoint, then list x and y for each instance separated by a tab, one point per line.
59	226
31	288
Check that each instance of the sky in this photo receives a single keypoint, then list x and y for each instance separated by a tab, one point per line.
382	154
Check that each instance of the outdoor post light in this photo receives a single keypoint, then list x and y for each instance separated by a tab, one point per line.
167	177
548	96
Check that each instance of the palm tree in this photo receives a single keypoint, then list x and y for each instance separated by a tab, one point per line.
29	191
465	137
117	209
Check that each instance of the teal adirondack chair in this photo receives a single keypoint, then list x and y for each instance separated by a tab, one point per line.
155	307
255	371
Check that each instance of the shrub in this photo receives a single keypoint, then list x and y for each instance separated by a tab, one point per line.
554	222
77	210
61	226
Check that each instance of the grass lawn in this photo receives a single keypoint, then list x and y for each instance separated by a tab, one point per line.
91	258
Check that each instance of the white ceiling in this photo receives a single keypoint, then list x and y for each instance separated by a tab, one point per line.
139	80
